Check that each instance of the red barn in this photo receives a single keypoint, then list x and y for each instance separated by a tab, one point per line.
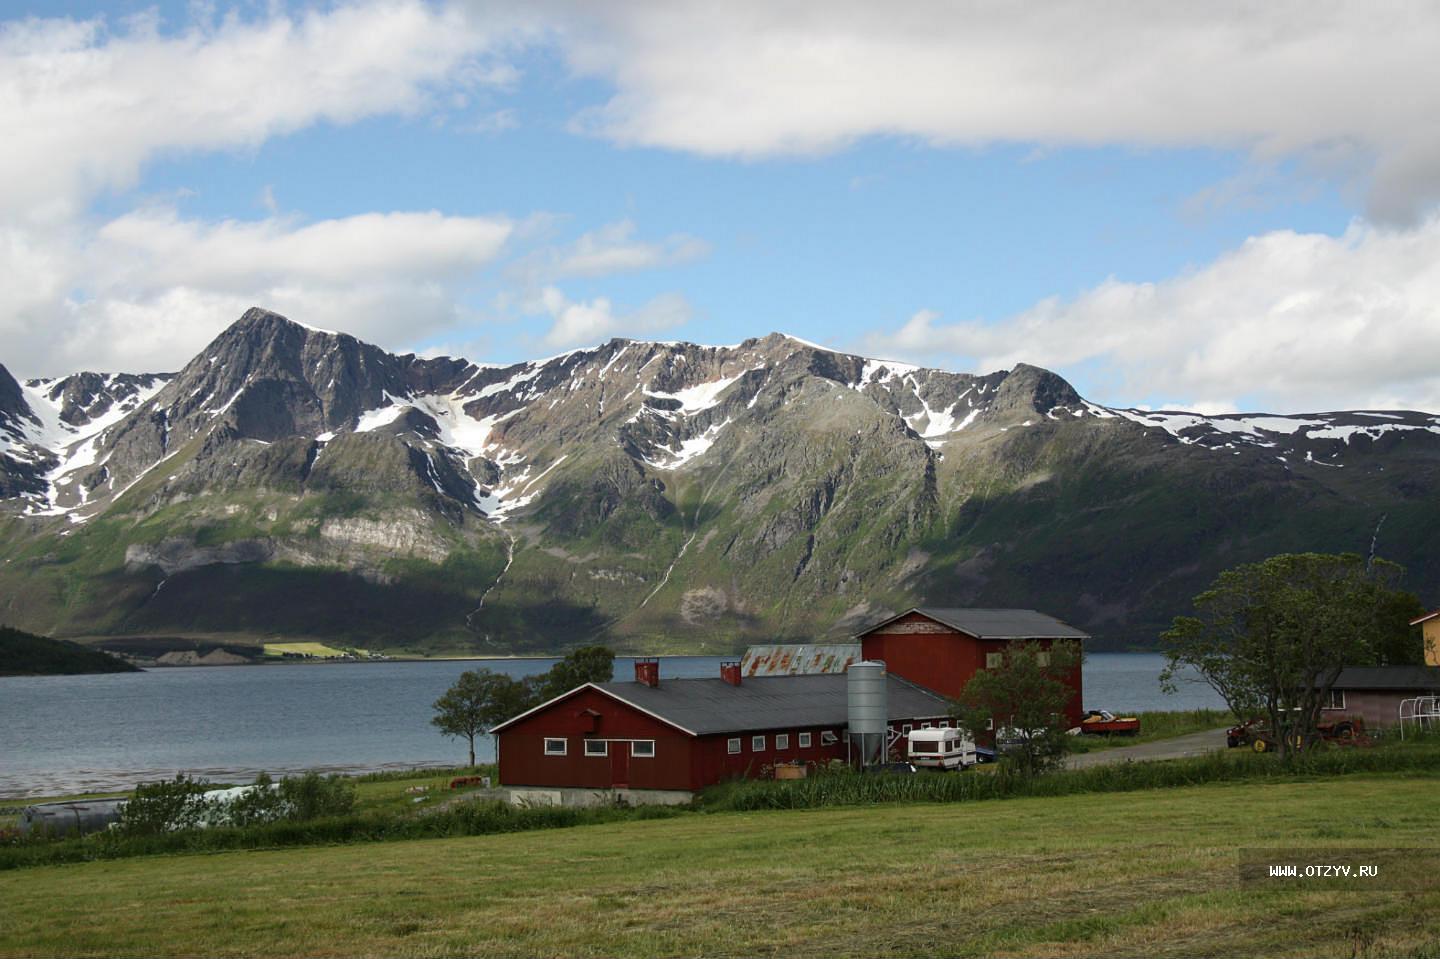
686	734
943	648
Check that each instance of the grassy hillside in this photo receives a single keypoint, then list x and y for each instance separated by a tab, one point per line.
1139	874
25	654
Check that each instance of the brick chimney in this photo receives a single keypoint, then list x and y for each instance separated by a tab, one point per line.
730	672
647	671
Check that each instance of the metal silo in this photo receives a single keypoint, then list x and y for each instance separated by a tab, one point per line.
869	712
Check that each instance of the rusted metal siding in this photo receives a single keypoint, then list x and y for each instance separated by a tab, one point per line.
522	747
799	660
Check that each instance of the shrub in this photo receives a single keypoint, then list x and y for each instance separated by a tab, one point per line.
165	807
312	796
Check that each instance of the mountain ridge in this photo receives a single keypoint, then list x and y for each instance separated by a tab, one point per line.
658	495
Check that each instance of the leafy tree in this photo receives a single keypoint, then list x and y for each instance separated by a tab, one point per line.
588	664
480	700
1026	696
1271	637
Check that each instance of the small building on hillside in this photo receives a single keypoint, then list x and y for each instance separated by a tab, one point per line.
686	734
1376	692
1430	636
943	649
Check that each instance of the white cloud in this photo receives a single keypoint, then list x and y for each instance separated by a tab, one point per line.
584	323
613	249
85	106
1353	83
1288	321
151	288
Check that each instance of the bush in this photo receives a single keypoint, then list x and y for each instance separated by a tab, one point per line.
165	807
312	796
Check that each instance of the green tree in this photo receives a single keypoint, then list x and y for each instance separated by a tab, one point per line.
479	701
1025	697
588	664
1271	637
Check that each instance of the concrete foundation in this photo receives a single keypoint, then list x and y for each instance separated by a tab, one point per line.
583	798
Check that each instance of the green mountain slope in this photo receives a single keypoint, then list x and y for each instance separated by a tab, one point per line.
656	496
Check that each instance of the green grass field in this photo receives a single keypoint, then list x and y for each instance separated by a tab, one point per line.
1129	874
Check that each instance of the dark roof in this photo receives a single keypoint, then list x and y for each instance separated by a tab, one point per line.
706	706
1400	678
996	623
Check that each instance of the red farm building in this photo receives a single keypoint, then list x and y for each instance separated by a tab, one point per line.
686	734
944	648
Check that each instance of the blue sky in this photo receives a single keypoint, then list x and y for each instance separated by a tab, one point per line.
509	182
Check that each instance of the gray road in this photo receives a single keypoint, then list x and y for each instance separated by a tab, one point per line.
1195	744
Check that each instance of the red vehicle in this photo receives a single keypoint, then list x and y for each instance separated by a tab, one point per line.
1102	721
1346	731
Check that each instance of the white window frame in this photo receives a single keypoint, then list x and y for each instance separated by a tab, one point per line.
732	746
994	660
803	740
906	728
828	737
845	735
990	723
782	740
1330	700
944	724
604	750
1042	658
926	725
564	746
757	743
650	743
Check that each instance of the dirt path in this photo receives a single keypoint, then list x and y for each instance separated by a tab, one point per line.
1194	744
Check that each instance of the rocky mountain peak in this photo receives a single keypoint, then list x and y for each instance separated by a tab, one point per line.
1027	390
15	413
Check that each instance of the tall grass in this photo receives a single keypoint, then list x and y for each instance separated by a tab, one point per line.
859	790
464	819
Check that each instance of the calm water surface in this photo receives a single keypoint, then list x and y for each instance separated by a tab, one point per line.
61	734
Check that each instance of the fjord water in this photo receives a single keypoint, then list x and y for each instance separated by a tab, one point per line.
67	734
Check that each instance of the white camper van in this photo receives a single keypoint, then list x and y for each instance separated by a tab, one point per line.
940	749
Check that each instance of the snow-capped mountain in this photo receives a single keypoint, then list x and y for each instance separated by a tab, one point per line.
300	481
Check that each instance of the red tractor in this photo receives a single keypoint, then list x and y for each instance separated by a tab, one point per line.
1345	731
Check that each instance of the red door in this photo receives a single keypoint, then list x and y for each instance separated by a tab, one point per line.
619	764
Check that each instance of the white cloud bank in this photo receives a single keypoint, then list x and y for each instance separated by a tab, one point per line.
85	107
1351	86
1288	322
150	288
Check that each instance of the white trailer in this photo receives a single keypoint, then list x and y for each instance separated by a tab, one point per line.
940	749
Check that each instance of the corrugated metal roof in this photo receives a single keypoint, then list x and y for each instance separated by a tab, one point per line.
706	706
799	660
1401	678
997	623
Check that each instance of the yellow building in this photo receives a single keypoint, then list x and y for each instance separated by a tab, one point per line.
1430	629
